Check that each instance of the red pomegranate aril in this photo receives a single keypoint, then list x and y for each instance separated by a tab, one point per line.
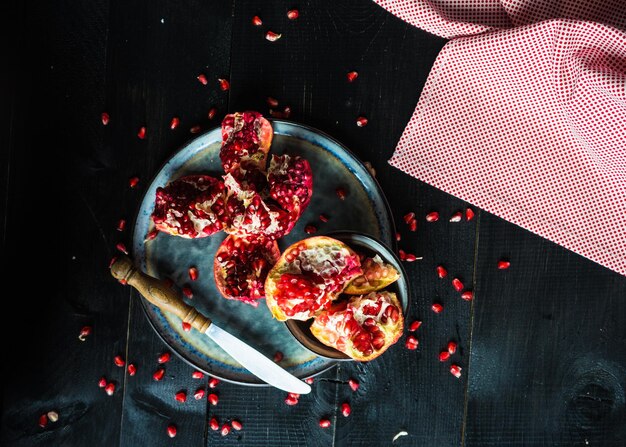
186	326
309	380
287	111
352	75
272	102
164	358
415	325
324	218
43	420
346	409
354	384
341	193
202	78
213	382
398	236
121	247
324	423
467	295
110	388
171	431
503	265
122	281
455	370
211	113
437	308
256	21
193	273
456	217
409	217
132	369
224	84
105	118
278	356
111	262
410	257
121	224
102	382
158	374
188	292
413	226
469	214
411	343
402	254
119	361
174	123
199	394
310	229
151	235
213	399
85	331
441	271
451	347
181	396
236	424
361	121
132	182
272	36
197	375
444	356
290	400
293	14
225	429
141	134
457	284
214	424
432	216
195	129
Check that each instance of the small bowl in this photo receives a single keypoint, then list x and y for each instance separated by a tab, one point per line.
369	246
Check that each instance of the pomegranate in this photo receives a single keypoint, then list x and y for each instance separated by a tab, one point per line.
364	327
309	275
190	207
376	275
240	267
246	140
290	181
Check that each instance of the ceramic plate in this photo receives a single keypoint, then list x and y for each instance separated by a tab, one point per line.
364	210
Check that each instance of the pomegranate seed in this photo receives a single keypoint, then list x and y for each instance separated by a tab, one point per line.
272	102
151	235
345	409
171	430
102	382
451	347
132	182
353	384
213	382
432	216
181	396
202	78
193	273
361	121
455	370
457	284
437	308
413	226
443	356
121	225
105	118
188	292
324	423
294	395
214	424
110	388
290	400
197	375
324	218
441	271
121	247
272	36
310	229
86	330
415	326
225	429
141	134
53	416
186	326
398	236
341	193
256	21
236	424
410	257
111	262
43	420
503	265
132	369
213	399
352	75
411	343
402	254
164	358
469	214
122	281
456	217
309	380
224	84
174	123
287	111
408	217
158	374
195	129
211	113
293	14
199	394
278	356
468	295
119	361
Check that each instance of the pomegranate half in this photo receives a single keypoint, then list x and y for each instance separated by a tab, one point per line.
246	140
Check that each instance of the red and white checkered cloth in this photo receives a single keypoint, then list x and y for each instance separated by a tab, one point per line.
527	120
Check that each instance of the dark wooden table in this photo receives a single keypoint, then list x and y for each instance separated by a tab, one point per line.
542	346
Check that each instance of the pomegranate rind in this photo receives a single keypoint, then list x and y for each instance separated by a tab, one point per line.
190	207
330	327
253	259
246	140
368	282
332	261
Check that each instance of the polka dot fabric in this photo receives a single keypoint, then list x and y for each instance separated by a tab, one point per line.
527	121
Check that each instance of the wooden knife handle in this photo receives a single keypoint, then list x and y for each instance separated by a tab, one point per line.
158	293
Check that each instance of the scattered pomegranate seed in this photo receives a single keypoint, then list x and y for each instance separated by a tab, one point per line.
202	78
171	430
346	409
278	356
272	102
174	123
199	394
43	420
111	262
86	330
469	214
121	247
164	358
211	113
53	416
402	254
415	326
236	424
456	217
361	121
468	295
110	388
408	217
310	229
352	75
119	361
290	400
195	129
324	218
132	182
158	374
443	356
272	36
224	84
293	14
213	399
398	236
353	384
121	225
132	369
413	226
410	257
193	273
122	281
102	382
341	193
197	375
256	21
225	429
214	424
441	271
309	380
432	216
451	347
503	265
324	423
151	235
186	326
287	111
105	118
437	308
181	396
457	284
411	343
141	134
188	292
294	395
213	382
455	370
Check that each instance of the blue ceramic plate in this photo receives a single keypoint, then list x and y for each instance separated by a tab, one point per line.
364	210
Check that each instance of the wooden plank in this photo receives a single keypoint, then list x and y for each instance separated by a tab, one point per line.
548	354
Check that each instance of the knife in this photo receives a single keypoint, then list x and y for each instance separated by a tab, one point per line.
165	298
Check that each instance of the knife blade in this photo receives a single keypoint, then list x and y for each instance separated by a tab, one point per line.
165	298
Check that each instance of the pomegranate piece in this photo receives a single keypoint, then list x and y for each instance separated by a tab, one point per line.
214	424
309	380
141	134
193	273
181	397
346	409
469	214
190	207
85	331
186	326
188	292
132	369
352	75
225	429
455	370
291	400
457	284
437	308
197	375
211	113
441	271
256	21
468	295
105	118
272	102
174	123
102	382
110	388
272	36
361	121
236	424
164	358
43	420
213	382
411	343
364	327
415	326
290	181
309	275
121	225
158	374
241	266
171	430
354	384
503	265
432	216
213	399
119	361
324	423
376	276
293	14
444	356
246	140
451	347
132	182
202	78
456	217
224	84
121	247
